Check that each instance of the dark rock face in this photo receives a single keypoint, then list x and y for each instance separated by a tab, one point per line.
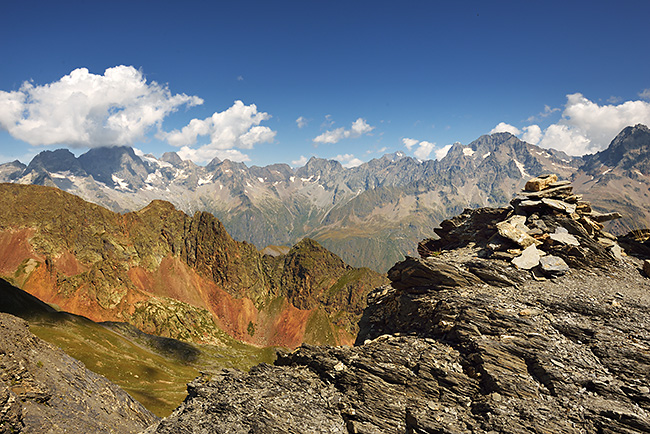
44	390
569	356
462	342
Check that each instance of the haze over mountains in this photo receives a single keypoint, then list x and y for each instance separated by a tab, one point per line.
371	215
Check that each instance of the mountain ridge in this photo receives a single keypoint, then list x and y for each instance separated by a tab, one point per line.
351	211
168	273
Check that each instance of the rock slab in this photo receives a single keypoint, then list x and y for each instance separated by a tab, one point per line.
43	390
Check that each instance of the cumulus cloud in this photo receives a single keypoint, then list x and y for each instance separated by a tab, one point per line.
300	161
235	128
358	128
585	126
503	127
532	134
348	160
422	148
89	110
409	143
442	152
302	122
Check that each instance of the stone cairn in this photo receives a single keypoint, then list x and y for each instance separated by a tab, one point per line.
547	229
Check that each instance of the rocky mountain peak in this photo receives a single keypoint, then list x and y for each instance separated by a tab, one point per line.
171	158
117	166
319	167
629	150
58	161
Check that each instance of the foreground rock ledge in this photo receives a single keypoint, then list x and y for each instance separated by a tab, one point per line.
569	355
43	390
463	341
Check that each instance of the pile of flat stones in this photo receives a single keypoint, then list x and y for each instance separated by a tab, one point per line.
572	223
548	229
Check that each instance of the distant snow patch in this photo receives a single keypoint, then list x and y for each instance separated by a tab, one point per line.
206	180
60	175
468	152
180	174
261	179
484	156
155	161
121	185
152	177
292	178
522	168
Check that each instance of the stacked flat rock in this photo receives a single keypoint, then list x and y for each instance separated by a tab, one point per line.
548	230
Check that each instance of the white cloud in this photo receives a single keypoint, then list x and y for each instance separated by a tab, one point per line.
548	111
328	122
442	152
89	110
532	134
235	128
205	154
358	128
645	94
302	122
348	160
300	161
422	148
502	127
585	126
409	143
333	136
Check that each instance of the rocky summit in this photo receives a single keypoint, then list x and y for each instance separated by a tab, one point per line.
468	338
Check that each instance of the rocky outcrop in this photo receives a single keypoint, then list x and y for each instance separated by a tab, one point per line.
175	275
44	390
546	229
462	340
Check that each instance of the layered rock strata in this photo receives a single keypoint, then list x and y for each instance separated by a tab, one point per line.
463	341
548	229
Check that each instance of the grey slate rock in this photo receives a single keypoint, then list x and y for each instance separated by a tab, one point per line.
528	259
553	265
565	238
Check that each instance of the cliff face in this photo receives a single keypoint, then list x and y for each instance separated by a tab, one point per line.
465	340
172	274
42	389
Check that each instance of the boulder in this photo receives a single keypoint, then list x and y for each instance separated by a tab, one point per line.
514	229
553	265
528	259
430	273
540	183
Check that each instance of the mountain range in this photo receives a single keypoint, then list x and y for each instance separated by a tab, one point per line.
370	215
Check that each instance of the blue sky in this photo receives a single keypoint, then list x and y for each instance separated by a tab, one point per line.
231	79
